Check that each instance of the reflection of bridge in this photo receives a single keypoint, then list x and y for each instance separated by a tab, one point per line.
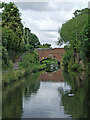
52	76
55	53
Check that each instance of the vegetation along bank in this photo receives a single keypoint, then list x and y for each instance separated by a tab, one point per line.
17	40
75	33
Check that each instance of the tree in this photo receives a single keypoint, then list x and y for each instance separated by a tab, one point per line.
33	40
75	34
15	39
11	19
47	45
26	32
70	32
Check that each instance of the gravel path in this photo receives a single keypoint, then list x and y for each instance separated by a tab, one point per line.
16	63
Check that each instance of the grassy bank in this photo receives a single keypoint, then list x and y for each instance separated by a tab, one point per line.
12	76
15	57
21	84
29	64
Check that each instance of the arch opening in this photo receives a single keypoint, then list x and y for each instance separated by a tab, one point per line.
45	60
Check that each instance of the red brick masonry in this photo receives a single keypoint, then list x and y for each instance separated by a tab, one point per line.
56	53
52	76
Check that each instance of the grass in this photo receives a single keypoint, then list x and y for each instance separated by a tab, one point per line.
11	77
35	68
20	84
29	64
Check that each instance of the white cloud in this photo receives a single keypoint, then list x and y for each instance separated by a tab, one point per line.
44	18
45	0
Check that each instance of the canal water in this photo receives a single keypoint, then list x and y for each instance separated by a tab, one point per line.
48	94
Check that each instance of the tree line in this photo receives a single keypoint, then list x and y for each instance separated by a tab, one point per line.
76	61
15	38
75	34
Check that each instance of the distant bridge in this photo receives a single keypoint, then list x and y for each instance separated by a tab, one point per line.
54	53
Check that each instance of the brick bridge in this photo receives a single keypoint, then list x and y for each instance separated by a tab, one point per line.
55	53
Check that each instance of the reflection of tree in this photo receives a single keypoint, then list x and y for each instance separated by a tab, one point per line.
52	67
12	103
77	105
32	85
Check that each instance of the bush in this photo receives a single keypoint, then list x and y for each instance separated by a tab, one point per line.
67	57
6	62
12	76
30	59
74	67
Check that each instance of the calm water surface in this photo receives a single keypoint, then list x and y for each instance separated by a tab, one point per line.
46	102
41	95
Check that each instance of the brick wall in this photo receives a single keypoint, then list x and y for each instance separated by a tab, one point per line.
56	53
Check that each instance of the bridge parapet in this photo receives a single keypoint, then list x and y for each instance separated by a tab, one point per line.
55	53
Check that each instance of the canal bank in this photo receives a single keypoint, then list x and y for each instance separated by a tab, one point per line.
31	96
47	94
29	64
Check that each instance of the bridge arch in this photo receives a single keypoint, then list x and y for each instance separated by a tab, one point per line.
49	58
54	53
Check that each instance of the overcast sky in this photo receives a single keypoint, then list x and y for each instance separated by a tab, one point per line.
45	18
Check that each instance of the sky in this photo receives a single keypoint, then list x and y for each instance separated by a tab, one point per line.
45	18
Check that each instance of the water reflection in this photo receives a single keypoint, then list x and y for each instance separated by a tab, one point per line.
53	73
12	106
75	101
46	102
47	95
52	67
55	76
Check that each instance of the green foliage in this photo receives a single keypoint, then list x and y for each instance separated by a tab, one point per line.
33	40
6	62
10	42
11	33
30	39
12	95
45	46
30	59
9	39
35	68
11	19
26	32
12	76
67	57
85	44
31	63
71	30
27	47
79	102
74	67
49	60
75	34
15	39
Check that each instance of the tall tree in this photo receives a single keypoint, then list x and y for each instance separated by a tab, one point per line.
75	34
11	19
33	40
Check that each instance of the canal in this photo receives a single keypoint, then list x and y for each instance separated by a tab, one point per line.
47	94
